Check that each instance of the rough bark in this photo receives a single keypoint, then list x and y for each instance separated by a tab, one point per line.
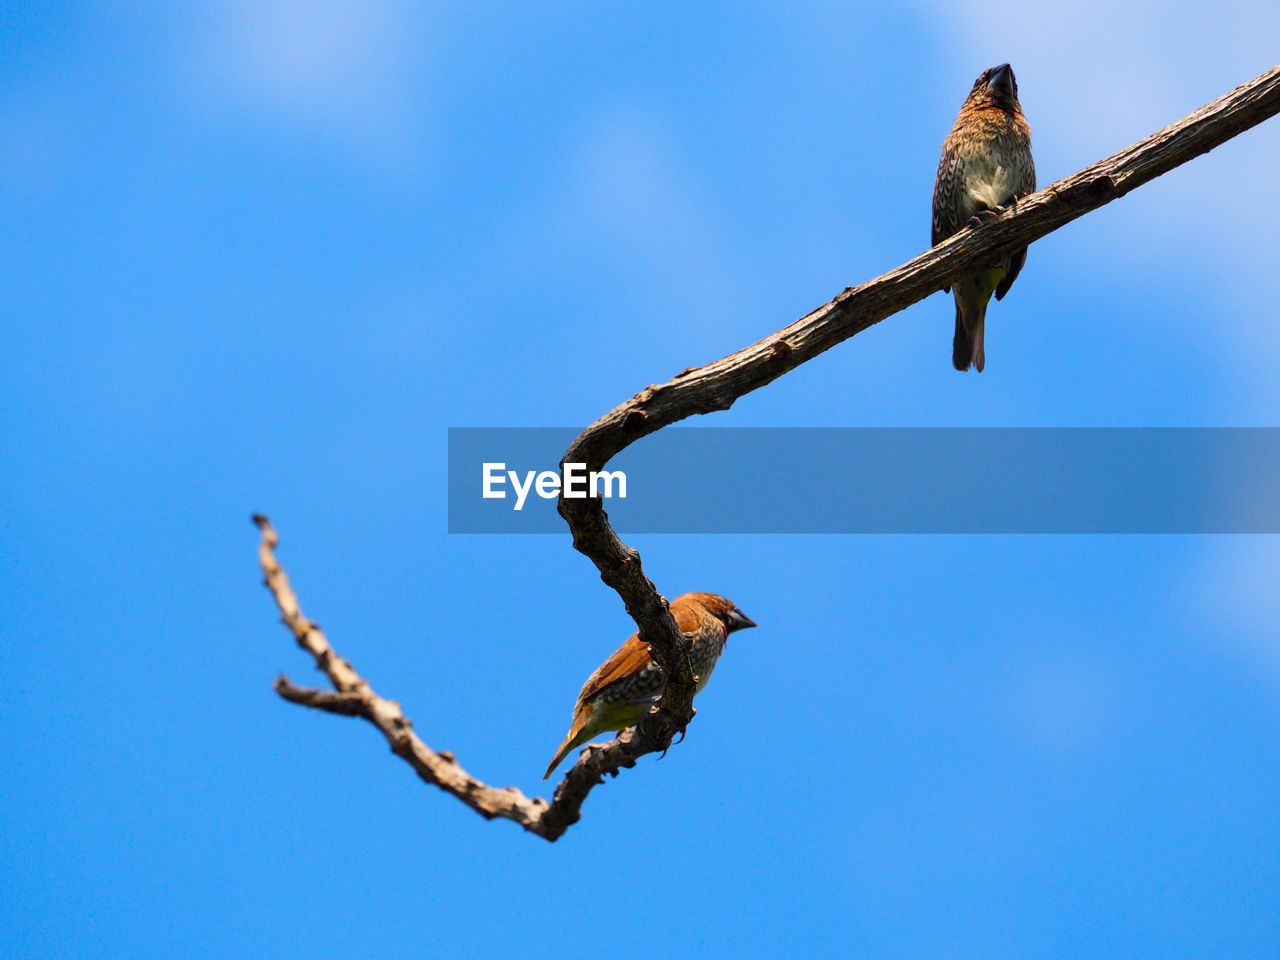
716	386
352	696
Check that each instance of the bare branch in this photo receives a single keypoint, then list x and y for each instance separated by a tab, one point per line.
353	697
717	385
344	704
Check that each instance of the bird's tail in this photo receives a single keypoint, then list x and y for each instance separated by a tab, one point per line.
579	733
967	349
560	755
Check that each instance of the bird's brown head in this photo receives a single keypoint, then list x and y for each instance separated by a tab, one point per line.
996	87
722	608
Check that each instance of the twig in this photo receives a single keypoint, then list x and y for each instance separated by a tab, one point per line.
353	697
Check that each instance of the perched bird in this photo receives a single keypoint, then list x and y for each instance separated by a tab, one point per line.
986	164
623	688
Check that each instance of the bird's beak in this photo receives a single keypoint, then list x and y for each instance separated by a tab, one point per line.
739	620
1001	82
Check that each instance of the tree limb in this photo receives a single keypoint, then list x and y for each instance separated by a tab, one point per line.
716	386
353	697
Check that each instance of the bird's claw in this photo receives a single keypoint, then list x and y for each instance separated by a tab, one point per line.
672	743
983	216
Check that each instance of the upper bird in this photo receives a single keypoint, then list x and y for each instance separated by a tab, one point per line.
986	164
623	688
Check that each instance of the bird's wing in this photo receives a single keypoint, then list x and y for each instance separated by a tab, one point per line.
1025	188
1015	267
945	202
633	654
626	660
945	188
1028	184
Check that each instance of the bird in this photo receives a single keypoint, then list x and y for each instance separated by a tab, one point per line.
986	164
624	687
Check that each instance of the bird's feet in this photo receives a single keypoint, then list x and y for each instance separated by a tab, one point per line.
983	216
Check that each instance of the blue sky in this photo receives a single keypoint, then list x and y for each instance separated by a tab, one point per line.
260	256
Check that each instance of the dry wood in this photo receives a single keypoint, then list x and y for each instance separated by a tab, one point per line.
354	697
716	386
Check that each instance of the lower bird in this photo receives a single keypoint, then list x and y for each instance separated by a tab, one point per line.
986	164
625	686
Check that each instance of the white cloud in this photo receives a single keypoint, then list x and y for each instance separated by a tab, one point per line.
629	181
1061	704
627	187
342	68
1239	597
1101	74
1096	76
36	147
